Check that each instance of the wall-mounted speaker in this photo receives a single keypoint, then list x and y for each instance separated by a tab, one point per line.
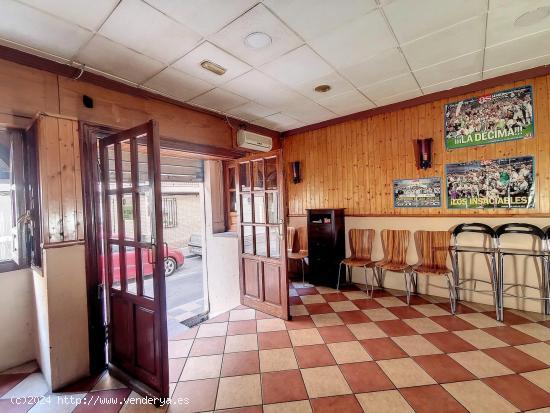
87	101
296	178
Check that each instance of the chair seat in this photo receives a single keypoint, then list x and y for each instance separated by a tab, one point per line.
358	262
424	269
392	266
300	255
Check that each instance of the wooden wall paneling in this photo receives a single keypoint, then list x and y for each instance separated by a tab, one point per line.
78	184
68	181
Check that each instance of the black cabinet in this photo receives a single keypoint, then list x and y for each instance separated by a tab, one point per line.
326	244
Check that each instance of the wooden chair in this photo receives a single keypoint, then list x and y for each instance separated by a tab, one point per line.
360	244
395	243
296	250
433	247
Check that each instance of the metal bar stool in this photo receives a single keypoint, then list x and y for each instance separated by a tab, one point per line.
490	251
395	243
295	251
360	244
542	253
433	249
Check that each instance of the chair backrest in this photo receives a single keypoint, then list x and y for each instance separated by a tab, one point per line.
432	248
395	243
290	239
360	242
475	227
521	228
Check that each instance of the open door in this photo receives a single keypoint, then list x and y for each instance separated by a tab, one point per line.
134	258
262	241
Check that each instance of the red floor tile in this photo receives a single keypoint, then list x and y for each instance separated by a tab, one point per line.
383	349
273	339
241	327
336	334
448	342
262	316
175	367
294	301
335	297
307	291
341	404
239	364
396	328
300	322
443	368
353	317
283	386
381	293
510	335
319	308
207	346
201	394
452	323
415	300
460	308
406	312
366	304
9	406
248	409
313	356
116	398
519	391
365	377
431	398
516	360
510	318
9	381
83	385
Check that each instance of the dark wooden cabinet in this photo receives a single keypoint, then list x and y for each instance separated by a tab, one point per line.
326	244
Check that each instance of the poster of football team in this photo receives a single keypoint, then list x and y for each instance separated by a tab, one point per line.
417	193
499	117
498	183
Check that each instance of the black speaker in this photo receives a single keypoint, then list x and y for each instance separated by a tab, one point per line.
88	101
296	172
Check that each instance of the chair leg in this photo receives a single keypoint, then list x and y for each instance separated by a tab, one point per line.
415	282
452	292
497	274
381	276
303	273
456	274
367	284
407	285
338	282
545	275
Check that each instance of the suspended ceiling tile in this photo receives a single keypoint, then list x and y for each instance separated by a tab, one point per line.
140	27
525	48
385	65
346	103
278	121
503	14
308	111
311	18
219	99
191	63
85	13
297	67
251	111
391	87
451	69
450	84
337	83
177	84
458	40
204	16
516	67
259	19
358	40
30	27
400	97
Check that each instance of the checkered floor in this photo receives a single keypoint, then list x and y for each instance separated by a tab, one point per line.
344	352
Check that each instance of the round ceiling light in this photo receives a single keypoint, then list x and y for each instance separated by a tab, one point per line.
322	88
257	40
532	17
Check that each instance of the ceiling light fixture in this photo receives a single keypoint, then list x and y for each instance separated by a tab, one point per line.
532	17
213	67
322	88
257	40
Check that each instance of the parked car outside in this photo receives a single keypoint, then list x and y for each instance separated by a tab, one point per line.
195	244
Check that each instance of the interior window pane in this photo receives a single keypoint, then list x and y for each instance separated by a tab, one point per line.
247	240
246	206
6	218
258	174
111	166
274	242
115	265
128	216
244	176
143	165
261	241
259	208
232	180
145	216
131	270
232	202
126	164
147	270
273	208
271	173
113	211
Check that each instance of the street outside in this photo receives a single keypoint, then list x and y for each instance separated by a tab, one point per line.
185	285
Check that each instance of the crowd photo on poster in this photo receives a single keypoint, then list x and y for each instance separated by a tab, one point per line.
417	193
498	183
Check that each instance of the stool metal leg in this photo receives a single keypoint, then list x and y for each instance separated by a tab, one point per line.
499	287
452	292
545	285
303	273
408	281
456	274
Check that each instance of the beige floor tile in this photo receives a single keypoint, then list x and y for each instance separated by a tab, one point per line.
538	331
480	364
339	306
479	306
31	387
430	310
348	352
529	315
355	295
313	299
301	406
239	315
298	310
108	382
384	402
416	345
540	377
480	339
212	330
242	342
540	351
305	337
180	348
405	372
203	367
326	290
270	324
325	381
137	404
543	410
364	331
326	320
380	314
239	391
424	325
390	302
277	360
480	320
477	397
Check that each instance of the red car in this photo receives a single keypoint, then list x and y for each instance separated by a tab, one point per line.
172	261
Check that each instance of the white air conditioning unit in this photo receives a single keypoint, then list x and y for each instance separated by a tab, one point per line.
254	141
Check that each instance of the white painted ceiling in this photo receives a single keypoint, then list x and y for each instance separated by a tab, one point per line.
371	52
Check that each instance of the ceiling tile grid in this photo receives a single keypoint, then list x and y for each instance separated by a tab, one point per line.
370	52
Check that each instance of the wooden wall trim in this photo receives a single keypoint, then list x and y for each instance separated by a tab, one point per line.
432	97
